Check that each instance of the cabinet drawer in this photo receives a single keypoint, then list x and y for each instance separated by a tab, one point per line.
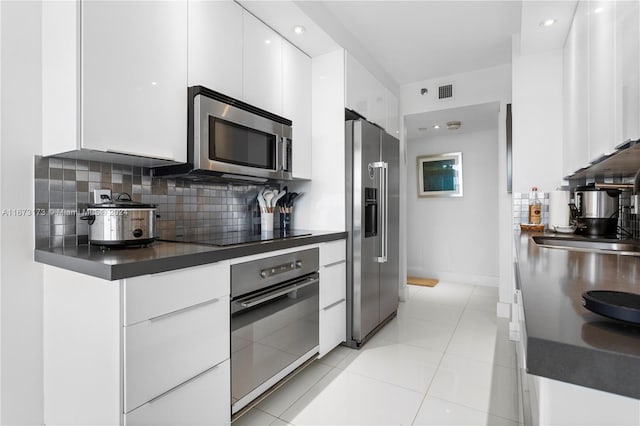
333	252
204	400
149	296
333	284
333	327
163	352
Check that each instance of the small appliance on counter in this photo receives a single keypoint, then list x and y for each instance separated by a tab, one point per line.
596	210
121	222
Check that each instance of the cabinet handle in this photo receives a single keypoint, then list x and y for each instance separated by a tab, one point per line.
335	263
179	311
154	399
326	308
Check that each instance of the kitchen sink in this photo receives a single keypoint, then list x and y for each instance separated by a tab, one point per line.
599	245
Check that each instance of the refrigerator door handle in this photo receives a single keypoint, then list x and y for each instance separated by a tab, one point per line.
384	200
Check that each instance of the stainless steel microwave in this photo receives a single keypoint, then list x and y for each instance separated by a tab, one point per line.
231	139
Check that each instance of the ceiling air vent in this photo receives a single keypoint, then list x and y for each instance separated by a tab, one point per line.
445	91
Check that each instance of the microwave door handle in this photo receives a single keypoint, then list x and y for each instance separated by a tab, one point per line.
285	159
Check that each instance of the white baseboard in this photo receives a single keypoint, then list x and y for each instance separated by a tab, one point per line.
485	280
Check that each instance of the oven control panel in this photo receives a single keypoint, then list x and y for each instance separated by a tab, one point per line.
256	274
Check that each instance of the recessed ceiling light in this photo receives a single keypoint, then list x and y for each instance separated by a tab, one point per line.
436	126
267	41
598	9
299	29
547	22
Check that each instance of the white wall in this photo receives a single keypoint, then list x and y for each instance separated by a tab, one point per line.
471	88
322	207
21	277
537	121
455	239
474	88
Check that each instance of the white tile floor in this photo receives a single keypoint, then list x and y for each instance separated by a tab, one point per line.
445	360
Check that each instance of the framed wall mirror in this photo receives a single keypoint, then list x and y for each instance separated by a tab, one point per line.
440	175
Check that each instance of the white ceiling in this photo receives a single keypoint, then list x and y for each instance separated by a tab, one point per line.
474	118
418	40
411	41
408	41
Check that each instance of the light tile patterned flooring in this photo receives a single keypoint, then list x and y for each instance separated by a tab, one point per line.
445	360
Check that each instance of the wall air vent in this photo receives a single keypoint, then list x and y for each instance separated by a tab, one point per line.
445	91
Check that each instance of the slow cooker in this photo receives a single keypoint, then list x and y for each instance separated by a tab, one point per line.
121	222
597	210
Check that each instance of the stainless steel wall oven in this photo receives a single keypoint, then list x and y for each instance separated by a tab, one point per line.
274	321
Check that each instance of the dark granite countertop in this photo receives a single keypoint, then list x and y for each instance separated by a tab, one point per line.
163	256
565	341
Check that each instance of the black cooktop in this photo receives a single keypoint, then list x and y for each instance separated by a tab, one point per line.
234	238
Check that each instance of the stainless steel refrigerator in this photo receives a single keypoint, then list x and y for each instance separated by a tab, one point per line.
373	193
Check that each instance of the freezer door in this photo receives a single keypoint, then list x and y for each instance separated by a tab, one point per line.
366	281
389	270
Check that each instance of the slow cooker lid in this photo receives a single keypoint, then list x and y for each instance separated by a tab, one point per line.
122	201
592	187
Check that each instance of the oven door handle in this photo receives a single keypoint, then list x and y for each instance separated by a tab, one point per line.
248	303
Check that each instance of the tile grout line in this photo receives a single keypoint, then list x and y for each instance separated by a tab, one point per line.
440	362
493	364
331	368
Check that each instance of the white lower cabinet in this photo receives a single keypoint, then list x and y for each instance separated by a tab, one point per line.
203	400
149	350
165	351
333	284
333	295
333	326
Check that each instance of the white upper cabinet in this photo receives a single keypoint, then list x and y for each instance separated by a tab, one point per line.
601	81
215	46
627	24
296	106
576	85
114	77
134	77
601	77
262	70
393	115
368	97
358	83
378	103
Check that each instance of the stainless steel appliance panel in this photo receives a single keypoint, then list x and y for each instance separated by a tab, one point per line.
254	275
272	332
205	107
372	224
389	270
274	321
367	141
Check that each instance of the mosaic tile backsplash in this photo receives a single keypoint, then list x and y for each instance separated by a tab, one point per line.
64	188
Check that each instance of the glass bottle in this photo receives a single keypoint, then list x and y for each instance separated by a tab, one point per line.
535	207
